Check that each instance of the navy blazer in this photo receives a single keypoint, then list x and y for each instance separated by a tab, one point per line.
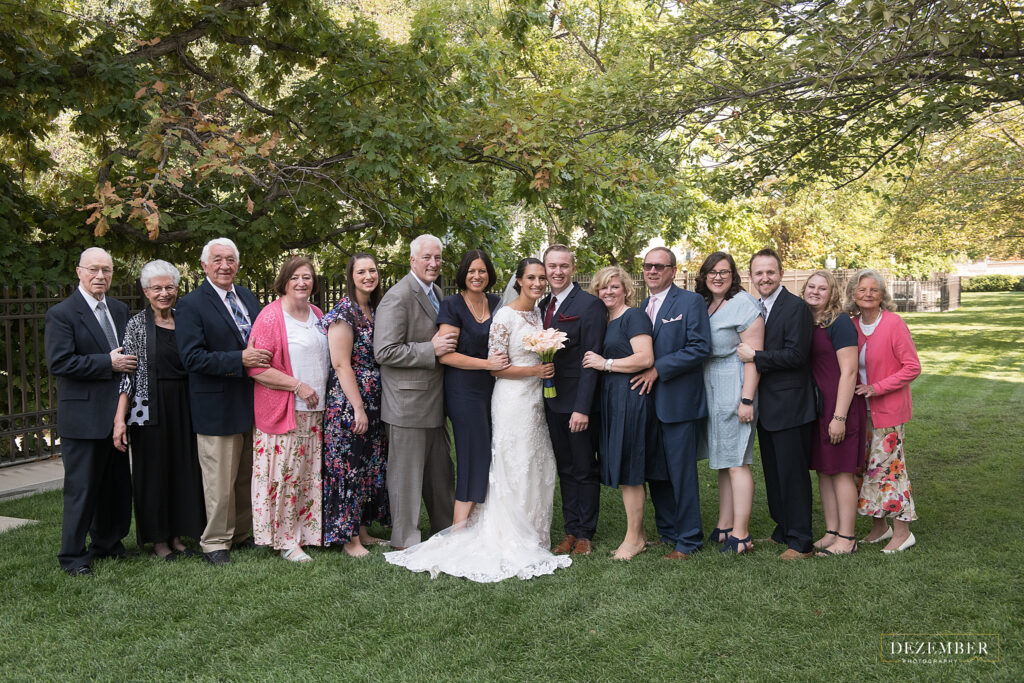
78	354
211	350
682	342
786	388
583	317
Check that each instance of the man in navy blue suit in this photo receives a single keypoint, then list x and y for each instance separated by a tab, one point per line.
571	415
83	351
682	341
786	404
213	325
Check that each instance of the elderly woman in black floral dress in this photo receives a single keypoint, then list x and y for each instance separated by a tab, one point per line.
153	416
355	453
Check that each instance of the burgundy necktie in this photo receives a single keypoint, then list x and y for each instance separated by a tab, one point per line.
550	313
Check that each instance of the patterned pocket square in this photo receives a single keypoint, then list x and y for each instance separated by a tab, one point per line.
567	318
672	320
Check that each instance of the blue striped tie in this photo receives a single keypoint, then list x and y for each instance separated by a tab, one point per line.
236	310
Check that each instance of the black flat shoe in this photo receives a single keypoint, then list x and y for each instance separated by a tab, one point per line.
84	570
188	552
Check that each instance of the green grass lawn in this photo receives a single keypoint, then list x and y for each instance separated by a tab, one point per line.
716	616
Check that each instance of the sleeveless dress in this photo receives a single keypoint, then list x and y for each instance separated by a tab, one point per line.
509	534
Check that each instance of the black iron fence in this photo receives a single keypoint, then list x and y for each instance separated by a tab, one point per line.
28	404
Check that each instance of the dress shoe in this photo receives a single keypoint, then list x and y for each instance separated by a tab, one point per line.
218	557
566	545
247	544
884	537
84	570
676	555
790	554
583	547
187	552
909	543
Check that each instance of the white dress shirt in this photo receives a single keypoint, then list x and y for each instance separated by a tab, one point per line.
93	303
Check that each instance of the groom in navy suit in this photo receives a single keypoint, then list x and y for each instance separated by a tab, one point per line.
682	341
572	422
83	351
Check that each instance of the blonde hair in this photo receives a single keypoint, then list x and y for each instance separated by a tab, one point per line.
851	287
604	276
834	305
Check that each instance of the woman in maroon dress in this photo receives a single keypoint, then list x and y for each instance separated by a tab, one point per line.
838	446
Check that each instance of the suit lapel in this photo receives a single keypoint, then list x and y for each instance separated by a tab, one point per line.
218	305
89	320
666	309
421	296
777	313
566	307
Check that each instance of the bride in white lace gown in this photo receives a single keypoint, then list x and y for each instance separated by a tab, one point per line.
510	532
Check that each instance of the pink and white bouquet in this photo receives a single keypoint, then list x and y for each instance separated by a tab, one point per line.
545	343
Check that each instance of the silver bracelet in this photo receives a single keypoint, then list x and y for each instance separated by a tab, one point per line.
608	364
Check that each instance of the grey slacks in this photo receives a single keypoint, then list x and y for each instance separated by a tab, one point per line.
419	465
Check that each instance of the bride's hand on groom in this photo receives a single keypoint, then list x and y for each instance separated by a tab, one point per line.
545	370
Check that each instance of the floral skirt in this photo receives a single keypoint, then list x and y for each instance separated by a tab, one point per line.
286	486
885	489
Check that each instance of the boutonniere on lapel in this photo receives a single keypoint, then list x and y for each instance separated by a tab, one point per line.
566	318
672	320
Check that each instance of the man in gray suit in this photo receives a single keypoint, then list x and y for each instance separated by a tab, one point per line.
407	344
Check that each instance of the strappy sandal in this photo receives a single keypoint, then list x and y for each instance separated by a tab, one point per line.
296	554
827	533
732	545
716	535
825	552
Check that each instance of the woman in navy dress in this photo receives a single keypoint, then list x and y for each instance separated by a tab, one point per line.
628	349
467	377
838	447
355	447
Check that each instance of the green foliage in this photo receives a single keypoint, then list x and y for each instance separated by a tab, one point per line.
992	283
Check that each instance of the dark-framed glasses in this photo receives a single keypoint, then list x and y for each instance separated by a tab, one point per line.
718	274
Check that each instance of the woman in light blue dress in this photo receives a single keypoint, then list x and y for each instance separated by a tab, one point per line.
731	388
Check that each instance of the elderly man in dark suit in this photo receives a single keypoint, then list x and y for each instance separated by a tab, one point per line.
786	414
213	325
682	342
571	416
83	350
407	344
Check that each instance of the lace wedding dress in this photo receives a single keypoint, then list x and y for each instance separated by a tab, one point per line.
510	532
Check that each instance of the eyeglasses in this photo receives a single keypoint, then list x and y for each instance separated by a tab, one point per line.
430	259
161	290
656	267
718	274
96	270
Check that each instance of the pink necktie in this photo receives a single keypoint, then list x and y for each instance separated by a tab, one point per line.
650	309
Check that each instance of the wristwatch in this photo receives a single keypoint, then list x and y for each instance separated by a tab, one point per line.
747	401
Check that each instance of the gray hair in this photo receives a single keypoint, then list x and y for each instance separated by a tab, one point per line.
221	242
92	250
421	241
158	268
851	306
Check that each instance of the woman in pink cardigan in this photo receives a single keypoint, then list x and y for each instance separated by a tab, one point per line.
888	364
289	403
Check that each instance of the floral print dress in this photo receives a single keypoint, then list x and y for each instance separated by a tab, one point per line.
355	465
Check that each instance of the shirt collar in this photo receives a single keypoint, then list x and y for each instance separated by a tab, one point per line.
427	289
90	299
560	298
770	301
222	293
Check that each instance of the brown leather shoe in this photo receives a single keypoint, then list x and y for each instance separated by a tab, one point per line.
565	547
676	555
583	547
790	554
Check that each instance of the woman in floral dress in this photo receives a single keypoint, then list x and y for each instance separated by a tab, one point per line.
888	363
355	453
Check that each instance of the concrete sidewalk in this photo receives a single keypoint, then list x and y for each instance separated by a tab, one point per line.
24	480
